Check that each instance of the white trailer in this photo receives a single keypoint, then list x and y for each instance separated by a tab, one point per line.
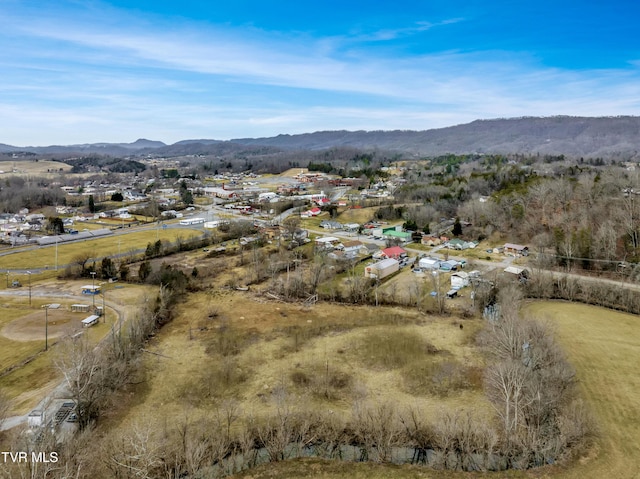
191	221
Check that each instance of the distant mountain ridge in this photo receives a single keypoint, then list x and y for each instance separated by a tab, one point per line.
562	135
605	137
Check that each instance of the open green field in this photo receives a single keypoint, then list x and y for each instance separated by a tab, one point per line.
45	256
604	348
26	167
357	215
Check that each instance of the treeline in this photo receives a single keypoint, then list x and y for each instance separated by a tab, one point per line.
616	296
106	163
17	192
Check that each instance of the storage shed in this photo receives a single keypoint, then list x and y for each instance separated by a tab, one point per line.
429	263
459	279
382	269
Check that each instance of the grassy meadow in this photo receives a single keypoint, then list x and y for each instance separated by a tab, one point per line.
40	167
604	348
46	257
228	346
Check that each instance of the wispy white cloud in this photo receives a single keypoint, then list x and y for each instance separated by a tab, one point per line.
395	33
174	79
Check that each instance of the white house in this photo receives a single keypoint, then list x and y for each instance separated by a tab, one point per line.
351	248
328	242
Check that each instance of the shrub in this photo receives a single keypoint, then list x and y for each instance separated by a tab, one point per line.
393	349
323	381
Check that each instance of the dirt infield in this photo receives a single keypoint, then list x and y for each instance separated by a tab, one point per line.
32	326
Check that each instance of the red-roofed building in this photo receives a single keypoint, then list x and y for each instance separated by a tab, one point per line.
394	252
312	212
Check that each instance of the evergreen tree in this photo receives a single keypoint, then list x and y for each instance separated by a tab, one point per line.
457	228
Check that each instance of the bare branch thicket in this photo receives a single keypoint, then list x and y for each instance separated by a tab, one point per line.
258	265
377	428
83	369
137	453
317	271
41	442
417	433
464	442
531	386
330	435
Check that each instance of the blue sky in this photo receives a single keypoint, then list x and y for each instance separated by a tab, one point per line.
75	71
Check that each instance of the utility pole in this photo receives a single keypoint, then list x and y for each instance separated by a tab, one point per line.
29	273
46	327
93	287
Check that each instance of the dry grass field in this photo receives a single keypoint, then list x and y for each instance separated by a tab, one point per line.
45	256
40	167
291	172
604	347
357	215
229	345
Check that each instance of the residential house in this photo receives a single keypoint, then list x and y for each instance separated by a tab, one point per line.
395	252
327	242
310	213
330	225
429	240
369	249
222	193
516	249
271	232
451	265
521	273
351	227
351	248
403	236
457	243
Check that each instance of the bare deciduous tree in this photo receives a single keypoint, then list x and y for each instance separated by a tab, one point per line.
5	407
82	367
